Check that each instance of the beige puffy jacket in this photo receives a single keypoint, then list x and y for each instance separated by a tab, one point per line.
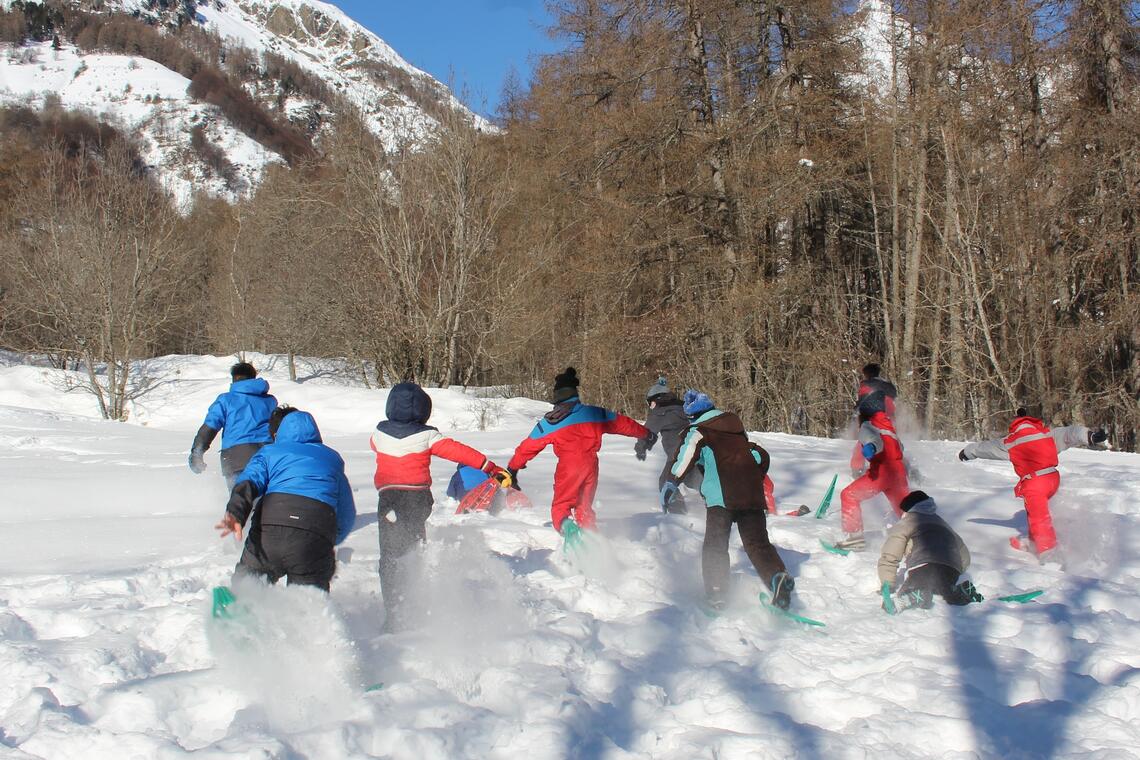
921	537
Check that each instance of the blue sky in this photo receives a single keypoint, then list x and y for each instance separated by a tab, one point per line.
467	43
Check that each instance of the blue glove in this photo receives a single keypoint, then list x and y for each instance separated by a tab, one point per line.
668	491
868	451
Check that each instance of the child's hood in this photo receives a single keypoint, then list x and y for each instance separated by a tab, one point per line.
408	402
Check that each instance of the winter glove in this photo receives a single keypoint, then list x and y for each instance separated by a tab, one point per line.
1097	436
497	472
668	491
514	478
643	445
197	464
888	603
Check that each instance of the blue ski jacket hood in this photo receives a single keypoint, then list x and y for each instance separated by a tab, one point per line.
298	463
242	413
298	427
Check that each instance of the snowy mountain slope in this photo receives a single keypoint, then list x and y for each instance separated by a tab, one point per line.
104	586
141	98
342	53
398	102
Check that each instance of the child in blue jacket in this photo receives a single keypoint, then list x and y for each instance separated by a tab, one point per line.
305	508
241	414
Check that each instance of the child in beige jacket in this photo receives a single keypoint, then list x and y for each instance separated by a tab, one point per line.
935	557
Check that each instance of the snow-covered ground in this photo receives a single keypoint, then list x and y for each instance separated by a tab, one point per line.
109	558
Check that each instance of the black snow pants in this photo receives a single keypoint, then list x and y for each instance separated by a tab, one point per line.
753	527
938	579
234	460
303	557
402	520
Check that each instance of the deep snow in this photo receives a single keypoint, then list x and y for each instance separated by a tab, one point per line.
109	557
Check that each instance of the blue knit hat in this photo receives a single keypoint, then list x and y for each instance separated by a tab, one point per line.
696	403
657	389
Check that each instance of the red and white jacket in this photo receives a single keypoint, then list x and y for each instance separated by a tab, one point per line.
404	452
1031	447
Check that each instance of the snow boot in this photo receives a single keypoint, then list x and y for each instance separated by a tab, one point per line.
1052	557
963	593
919	598
716	602
782	587
852	542
1022	543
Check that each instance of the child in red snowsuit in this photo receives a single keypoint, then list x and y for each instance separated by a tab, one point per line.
575	430
875	394
1032	448
880	446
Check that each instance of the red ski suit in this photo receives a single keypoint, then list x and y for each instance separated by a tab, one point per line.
1033	453
1032	448
575	430
886	473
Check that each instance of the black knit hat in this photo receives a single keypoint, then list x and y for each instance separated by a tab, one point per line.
565	385
912	498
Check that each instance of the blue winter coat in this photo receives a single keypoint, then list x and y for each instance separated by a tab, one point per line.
298	463
242	413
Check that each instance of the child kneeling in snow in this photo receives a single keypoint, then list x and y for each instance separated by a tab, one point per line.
733	488
305	508
404	444
935	557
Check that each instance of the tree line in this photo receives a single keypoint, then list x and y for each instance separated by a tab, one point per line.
753	198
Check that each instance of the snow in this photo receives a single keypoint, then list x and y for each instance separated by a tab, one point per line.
108	651
141	98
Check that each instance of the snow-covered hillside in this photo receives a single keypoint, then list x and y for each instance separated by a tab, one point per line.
342	53
397	101
143	99
109	557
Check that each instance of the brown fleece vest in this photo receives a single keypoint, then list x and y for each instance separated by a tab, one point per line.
741	478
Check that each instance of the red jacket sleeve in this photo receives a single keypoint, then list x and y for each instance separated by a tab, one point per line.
622	425
526	451
460	453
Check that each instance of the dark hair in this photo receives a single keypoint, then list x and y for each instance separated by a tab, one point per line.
1021	412
242	371
871	370
276	416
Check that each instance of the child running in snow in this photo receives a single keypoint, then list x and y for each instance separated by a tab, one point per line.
404	444
733	488
886	474
667	421
875	394
1032	449
242	416
575	431
305	508
935	557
